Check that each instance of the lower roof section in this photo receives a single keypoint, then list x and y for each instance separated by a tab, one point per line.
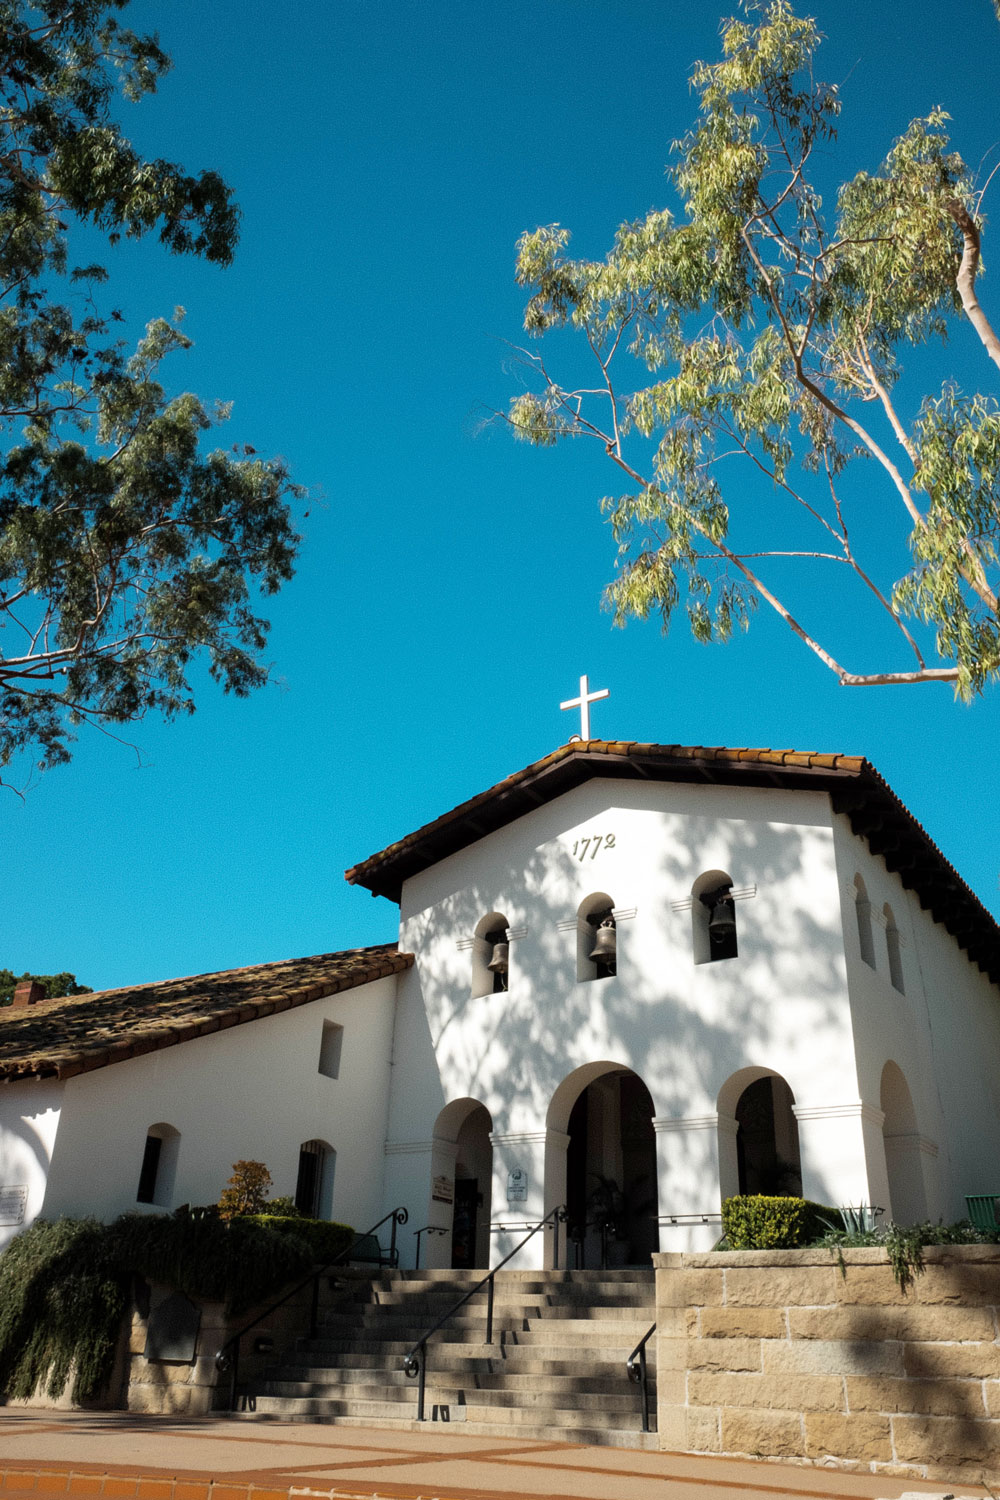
61	1038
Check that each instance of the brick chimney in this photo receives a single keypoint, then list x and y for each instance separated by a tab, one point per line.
28	992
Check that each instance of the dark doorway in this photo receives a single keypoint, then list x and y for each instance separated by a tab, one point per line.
611	1194
463	1235
767	1143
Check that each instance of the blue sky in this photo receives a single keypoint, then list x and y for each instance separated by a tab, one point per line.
386	156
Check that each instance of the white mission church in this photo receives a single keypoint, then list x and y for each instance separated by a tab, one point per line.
630	976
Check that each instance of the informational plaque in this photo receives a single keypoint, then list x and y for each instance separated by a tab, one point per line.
517	1185
443	1190
13	1201
172	1330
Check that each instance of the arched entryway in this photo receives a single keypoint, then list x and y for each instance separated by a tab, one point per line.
463	1130
761	1155
606	1112
903	1149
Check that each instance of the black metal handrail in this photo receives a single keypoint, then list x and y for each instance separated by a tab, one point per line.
413	1365
427	1229
637	1373
228	1357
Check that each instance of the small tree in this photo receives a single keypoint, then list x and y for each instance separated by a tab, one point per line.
775	338
56	985
247	1190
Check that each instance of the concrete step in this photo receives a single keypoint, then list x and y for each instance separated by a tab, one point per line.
559	1382
461	1393
491	1416
544	1345
595	1437
526	1363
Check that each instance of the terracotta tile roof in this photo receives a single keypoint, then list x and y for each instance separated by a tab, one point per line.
60	1038
853	784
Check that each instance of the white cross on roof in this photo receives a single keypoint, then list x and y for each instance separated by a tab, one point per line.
583	703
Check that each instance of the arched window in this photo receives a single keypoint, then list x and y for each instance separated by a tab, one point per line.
314	1183
596	938
159	1165
863	914
490	963
892	948
713	918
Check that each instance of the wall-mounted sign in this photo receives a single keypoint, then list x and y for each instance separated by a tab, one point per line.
12	1204
517	1185
443	1190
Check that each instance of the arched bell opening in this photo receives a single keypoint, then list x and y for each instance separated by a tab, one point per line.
606	1111
893	951
461	1192
713	918
490	955
903	1149
863	916
596	938
762	1154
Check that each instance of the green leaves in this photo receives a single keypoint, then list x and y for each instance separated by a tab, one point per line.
776	342
126	549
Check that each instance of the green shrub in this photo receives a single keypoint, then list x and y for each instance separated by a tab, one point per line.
65	1286
325	1239
755	1222
904	1244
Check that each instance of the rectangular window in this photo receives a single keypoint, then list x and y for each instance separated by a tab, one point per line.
329	1051
150	1167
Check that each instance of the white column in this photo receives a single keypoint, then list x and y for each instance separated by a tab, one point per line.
688	1179
524	1162
843	1154
411	1169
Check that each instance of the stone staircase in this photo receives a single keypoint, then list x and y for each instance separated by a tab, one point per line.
556	1367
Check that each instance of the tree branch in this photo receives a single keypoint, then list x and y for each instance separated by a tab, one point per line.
966	278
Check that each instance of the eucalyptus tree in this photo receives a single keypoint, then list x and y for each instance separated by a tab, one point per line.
751	328
126	548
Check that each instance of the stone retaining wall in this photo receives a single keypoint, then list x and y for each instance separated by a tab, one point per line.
786	1354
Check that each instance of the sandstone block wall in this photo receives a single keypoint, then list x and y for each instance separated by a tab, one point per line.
787	1354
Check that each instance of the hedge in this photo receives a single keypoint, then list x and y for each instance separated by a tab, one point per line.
756	1222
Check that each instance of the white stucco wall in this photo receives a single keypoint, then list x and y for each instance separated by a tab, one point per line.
253	1091
684	1028
29	1120
942	1032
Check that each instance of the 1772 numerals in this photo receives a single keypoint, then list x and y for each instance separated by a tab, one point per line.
592	845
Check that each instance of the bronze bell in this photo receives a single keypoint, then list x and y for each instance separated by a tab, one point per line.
722	922
605	949
500	959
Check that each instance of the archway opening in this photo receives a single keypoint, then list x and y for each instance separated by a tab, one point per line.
611	1180
903	1149
463	1132
767	1139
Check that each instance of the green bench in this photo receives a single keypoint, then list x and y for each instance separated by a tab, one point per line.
367	1251
983	1210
